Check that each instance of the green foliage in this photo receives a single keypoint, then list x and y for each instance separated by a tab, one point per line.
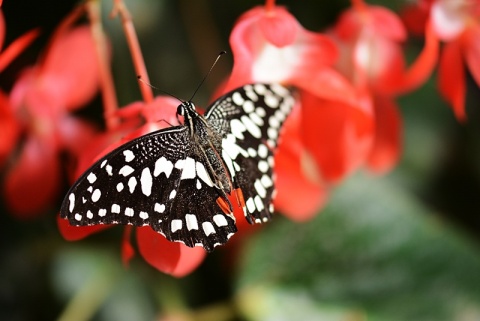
374	251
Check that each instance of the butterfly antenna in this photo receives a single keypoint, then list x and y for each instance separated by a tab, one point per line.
158	89
208	73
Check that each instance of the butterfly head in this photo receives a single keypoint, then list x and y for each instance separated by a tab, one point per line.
186	109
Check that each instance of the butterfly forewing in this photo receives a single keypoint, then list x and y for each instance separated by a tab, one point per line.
250	120
157	180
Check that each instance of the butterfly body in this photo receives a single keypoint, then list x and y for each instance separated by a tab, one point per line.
178	180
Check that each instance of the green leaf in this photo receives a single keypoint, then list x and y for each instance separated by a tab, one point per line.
375	251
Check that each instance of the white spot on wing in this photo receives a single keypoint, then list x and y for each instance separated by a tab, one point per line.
228	162
129	211
78	217
237	98
280	90
220	220
192	223
202	173
160	208
199	185
259	203
126	170
120	187
129	156
91	178
109	170
266	181
173	193
188	169
237	128
256	119
208	228
250	205
102	212
260	189
71	198
96	195
143	215
176	225
162	165
146	181
263	166
271	101
260	89
273	122
132	183
179	164
248	106
89	214
260	111
115	208
251	127
262	150
103	163
231	147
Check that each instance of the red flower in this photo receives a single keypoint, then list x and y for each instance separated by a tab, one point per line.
457	24
9	125
169	257
370	38
40	101
269	45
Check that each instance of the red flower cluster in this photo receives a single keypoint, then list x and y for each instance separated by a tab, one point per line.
347	80
457	24
37	125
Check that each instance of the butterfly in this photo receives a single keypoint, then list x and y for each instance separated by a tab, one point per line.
185	181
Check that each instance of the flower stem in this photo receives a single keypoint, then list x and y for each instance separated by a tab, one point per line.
109	98
132	41
16	47
64	25
269	5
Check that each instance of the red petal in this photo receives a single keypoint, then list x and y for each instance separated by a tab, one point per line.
75	134
2	29
451	78
71	68
9	129
471	49
264	54
127	249
421	69
300	194
278	26
168	257
32	184
387	23
16	47
75	233
382	21
337	135
388	131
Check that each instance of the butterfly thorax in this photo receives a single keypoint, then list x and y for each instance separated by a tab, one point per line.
207	142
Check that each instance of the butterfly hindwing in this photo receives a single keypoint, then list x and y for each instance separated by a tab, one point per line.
250	120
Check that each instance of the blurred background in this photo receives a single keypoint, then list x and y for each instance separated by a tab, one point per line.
404	246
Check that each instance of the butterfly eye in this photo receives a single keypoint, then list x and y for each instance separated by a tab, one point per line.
181	110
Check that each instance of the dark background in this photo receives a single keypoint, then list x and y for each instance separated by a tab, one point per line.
400	247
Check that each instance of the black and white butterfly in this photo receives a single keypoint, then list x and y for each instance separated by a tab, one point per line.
177	180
